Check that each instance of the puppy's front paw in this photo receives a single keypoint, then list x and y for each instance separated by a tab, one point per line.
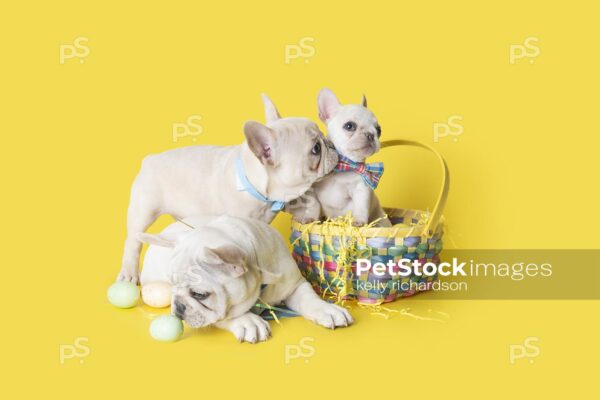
330	315
249	328
359	222
305	220
129	274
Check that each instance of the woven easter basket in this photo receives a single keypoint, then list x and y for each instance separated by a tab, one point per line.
326	252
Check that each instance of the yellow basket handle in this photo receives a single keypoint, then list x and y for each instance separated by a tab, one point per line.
438	208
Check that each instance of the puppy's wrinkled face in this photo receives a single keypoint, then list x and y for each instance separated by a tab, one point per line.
305	154
353	129
355	132
197	299
209	283
294	151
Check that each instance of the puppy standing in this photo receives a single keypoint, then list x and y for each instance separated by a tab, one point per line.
220	268
355	132
278	162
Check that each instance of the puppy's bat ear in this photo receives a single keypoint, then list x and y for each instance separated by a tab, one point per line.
271	113
168	239
328	104
363	102
228	259
261	141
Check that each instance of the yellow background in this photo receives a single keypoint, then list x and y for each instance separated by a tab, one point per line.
524	175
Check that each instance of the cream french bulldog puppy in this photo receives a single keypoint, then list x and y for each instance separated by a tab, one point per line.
277	162
217	265
355	132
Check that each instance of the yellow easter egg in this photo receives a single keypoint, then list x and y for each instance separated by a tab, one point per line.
157	294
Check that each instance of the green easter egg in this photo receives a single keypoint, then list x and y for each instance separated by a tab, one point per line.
123	294
166	328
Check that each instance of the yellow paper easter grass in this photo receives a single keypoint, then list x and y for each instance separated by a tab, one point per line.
350	236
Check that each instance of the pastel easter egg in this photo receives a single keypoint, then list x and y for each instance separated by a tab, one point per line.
123	294
157	294
166	328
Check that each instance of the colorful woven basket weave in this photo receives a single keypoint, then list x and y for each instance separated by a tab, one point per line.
326	252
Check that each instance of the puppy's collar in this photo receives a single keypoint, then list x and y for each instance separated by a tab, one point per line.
244	185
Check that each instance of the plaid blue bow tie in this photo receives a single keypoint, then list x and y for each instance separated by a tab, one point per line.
371	173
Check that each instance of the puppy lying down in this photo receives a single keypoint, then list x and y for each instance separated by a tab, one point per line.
219	268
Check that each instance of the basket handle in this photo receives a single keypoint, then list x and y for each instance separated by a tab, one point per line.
438	208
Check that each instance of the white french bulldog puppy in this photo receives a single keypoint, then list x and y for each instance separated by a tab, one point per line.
217	268
277	163
355	132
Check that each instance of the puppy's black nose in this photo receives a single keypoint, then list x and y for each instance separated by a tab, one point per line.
179	309
370	136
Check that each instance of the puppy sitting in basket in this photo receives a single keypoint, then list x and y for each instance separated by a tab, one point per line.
355	133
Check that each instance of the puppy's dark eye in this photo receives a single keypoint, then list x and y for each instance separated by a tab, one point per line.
350	126
316	150
199	296
378	128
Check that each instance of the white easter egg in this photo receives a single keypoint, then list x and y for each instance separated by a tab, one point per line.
157	294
